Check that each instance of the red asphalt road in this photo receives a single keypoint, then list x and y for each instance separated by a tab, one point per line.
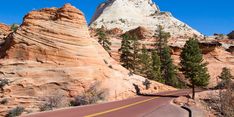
141	106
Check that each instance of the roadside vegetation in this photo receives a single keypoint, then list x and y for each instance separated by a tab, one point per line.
223	102
91	96
52	102
193	66
155	63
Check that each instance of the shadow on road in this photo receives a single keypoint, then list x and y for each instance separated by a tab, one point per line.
138	92
157	95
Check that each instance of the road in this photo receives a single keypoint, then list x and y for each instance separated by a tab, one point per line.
157	105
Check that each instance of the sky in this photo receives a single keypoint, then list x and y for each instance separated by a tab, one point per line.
206	16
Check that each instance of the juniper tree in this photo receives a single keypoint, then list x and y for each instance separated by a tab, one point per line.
193	66
103	39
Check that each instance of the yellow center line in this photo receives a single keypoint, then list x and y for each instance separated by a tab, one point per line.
119	108
122	107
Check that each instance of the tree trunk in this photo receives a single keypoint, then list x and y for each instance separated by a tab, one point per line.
193	96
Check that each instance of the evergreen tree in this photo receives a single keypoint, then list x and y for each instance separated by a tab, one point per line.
156	68
130	51
146	63
226	77
168	68
125	50
136	53
103	39
162	39
14	27
192	65
226	74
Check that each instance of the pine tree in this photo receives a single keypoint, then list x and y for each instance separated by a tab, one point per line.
192	65
156	68
226	77
130	51
125	50
226	74
168	68
103	39
146	63
162	39
136	53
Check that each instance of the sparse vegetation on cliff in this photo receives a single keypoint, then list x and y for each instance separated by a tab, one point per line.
91	96
14	27
53	102
3	82
103	39
15	112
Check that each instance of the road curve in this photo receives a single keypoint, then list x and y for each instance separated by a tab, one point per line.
157	105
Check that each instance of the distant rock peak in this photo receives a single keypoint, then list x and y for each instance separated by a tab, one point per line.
130	14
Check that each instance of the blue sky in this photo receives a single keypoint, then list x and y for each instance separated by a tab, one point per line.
207	16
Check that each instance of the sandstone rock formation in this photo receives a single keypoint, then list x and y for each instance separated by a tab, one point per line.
4	31
52	52
130	14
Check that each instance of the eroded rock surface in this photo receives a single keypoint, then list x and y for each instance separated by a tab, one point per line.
52	52
130	14
4	31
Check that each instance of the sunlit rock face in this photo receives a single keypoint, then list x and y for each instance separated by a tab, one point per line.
4	31
52	52
130	14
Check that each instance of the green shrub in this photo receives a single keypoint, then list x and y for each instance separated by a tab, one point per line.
14	27
15	112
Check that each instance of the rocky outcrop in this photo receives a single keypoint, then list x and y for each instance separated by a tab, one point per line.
4	31
130	14
231	49
53	52
207	47
140	32
4	28
231	35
